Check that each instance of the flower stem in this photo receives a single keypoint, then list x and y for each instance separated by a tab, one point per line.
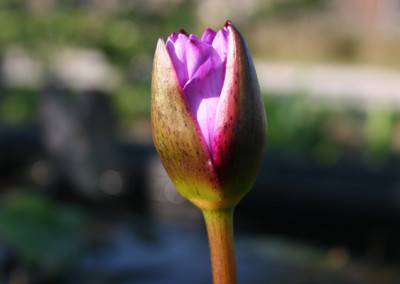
220	237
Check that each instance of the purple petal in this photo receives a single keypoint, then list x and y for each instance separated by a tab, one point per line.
194	37
208	36
173	37
200	67
220	44
177	52
196	53
202	93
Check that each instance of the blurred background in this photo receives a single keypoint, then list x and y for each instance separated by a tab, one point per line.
84	198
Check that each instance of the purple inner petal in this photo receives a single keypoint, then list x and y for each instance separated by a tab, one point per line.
200	68
220	43
173	37
202	93
208	36
176	45
197	52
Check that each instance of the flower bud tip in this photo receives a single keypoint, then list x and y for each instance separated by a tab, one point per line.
182	31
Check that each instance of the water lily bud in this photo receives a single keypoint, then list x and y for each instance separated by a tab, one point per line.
208	117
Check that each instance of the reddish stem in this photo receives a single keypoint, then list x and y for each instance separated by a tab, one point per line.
220	237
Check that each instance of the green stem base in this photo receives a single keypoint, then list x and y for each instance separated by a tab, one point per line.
220	237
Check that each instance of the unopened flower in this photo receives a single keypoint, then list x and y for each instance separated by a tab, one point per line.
208	118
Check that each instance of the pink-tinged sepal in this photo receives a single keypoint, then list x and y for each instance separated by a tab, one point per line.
241	126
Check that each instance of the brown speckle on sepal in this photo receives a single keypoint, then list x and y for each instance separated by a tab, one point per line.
237	163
